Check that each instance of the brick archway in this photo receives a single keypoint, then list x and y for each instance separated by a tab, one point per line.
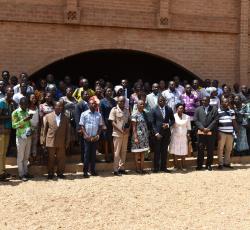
152	66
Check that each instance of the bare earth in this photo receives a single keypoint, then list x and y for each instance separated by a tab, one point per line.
195	200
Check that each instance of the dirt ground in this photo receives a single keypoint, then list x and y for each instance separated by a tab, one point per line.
194	200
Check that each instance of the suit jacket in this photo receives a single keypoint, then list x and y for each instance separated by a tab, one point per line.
158	120
53	135
209	120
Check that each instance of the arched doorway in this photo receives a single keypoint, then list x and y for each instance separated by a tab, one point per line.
115	64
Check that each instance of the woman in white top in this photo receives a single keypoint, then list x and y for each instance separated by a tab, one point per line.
180	136
33	109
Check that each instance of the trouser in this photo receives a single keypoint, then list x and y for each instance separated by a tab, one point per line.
56	155
89	156
207	141
23	153
225	141
120	151
82	148
193	136
161	152
4	142
34	141
248	138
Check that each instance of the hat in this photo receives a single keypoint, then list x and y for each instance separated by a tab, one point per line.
117	88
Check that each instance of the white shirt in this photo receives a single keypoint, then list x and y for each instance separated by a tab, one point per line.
17	97
206	109
163	111
58	119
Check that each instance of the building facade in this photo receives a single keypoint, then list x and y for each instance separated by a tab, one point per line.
208	38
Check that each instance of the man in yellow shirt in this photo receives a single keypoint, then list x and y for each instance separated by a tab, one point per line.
84	86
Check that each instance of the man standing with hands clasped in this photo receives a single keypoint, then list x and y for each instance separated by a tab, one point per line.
56	139
206	121
120	118
162	120
91	124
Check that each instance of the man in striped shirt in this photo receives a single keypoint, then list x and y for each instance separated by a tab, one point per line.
227	126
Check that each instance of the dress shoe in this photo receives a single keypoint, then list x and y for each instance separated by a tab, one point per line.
7	175
122	172
166	171
3	178
209	168
23	178
94	174
61	176
228	166
29	176
220	167
50	177
86	175
199	168
117	174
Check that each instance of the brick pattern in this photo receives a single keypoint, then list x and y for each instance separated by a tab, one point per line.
163	19
209	38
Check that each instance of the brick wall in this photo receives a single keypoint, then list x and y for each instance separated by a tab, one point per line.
202	36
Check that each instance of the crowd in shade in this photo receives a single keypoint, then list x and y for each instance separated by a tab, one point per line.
47	120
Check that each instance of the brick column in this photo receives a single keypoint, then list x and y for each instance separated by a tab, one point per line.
163	14
243	49
72	12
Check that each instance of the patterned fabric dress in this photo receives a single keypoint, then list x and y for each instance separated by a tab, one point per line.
142	133
241	143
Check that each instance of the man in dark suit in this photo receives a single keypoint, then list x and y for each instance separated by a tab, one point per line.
206	121
162	119
56	139
81	107
127	90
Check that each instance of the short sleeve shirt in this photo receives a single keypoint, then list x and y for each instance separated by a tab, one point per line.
120	117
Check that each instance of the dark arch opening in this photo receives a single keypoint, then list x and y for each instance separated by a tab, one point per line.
114	65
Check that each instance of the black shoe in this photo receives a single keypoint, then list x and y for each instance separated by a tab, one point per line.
199	168
50	177
86	175
23	178
29	176
94	174
7	175
155	171
220	167
122	172
228	166
166	171
61	176
3	178
209	168
117	174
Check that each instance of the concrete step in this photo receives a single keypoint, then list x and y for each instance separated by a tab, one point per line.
78	167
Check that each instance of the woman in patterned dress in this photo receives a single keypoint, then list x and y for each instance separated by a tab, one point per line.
140	136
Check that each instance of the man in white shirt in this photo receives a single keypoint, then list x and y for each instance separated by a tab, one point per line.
152	98
172	96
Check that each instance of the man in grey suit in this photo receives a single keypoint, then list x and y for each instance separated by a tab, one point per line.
152	98
206	121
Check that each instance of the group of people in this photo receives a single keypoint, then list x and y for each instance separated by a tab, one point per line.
150	121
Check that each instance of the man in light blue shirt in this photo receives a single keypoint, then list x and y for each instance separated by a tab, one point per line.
91	123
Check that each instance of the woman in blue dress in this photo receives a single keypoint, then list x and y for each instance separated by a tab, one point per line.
106	104
241	144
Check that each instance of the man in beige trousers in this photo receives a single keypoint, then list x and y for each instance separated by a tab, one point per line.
120	118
